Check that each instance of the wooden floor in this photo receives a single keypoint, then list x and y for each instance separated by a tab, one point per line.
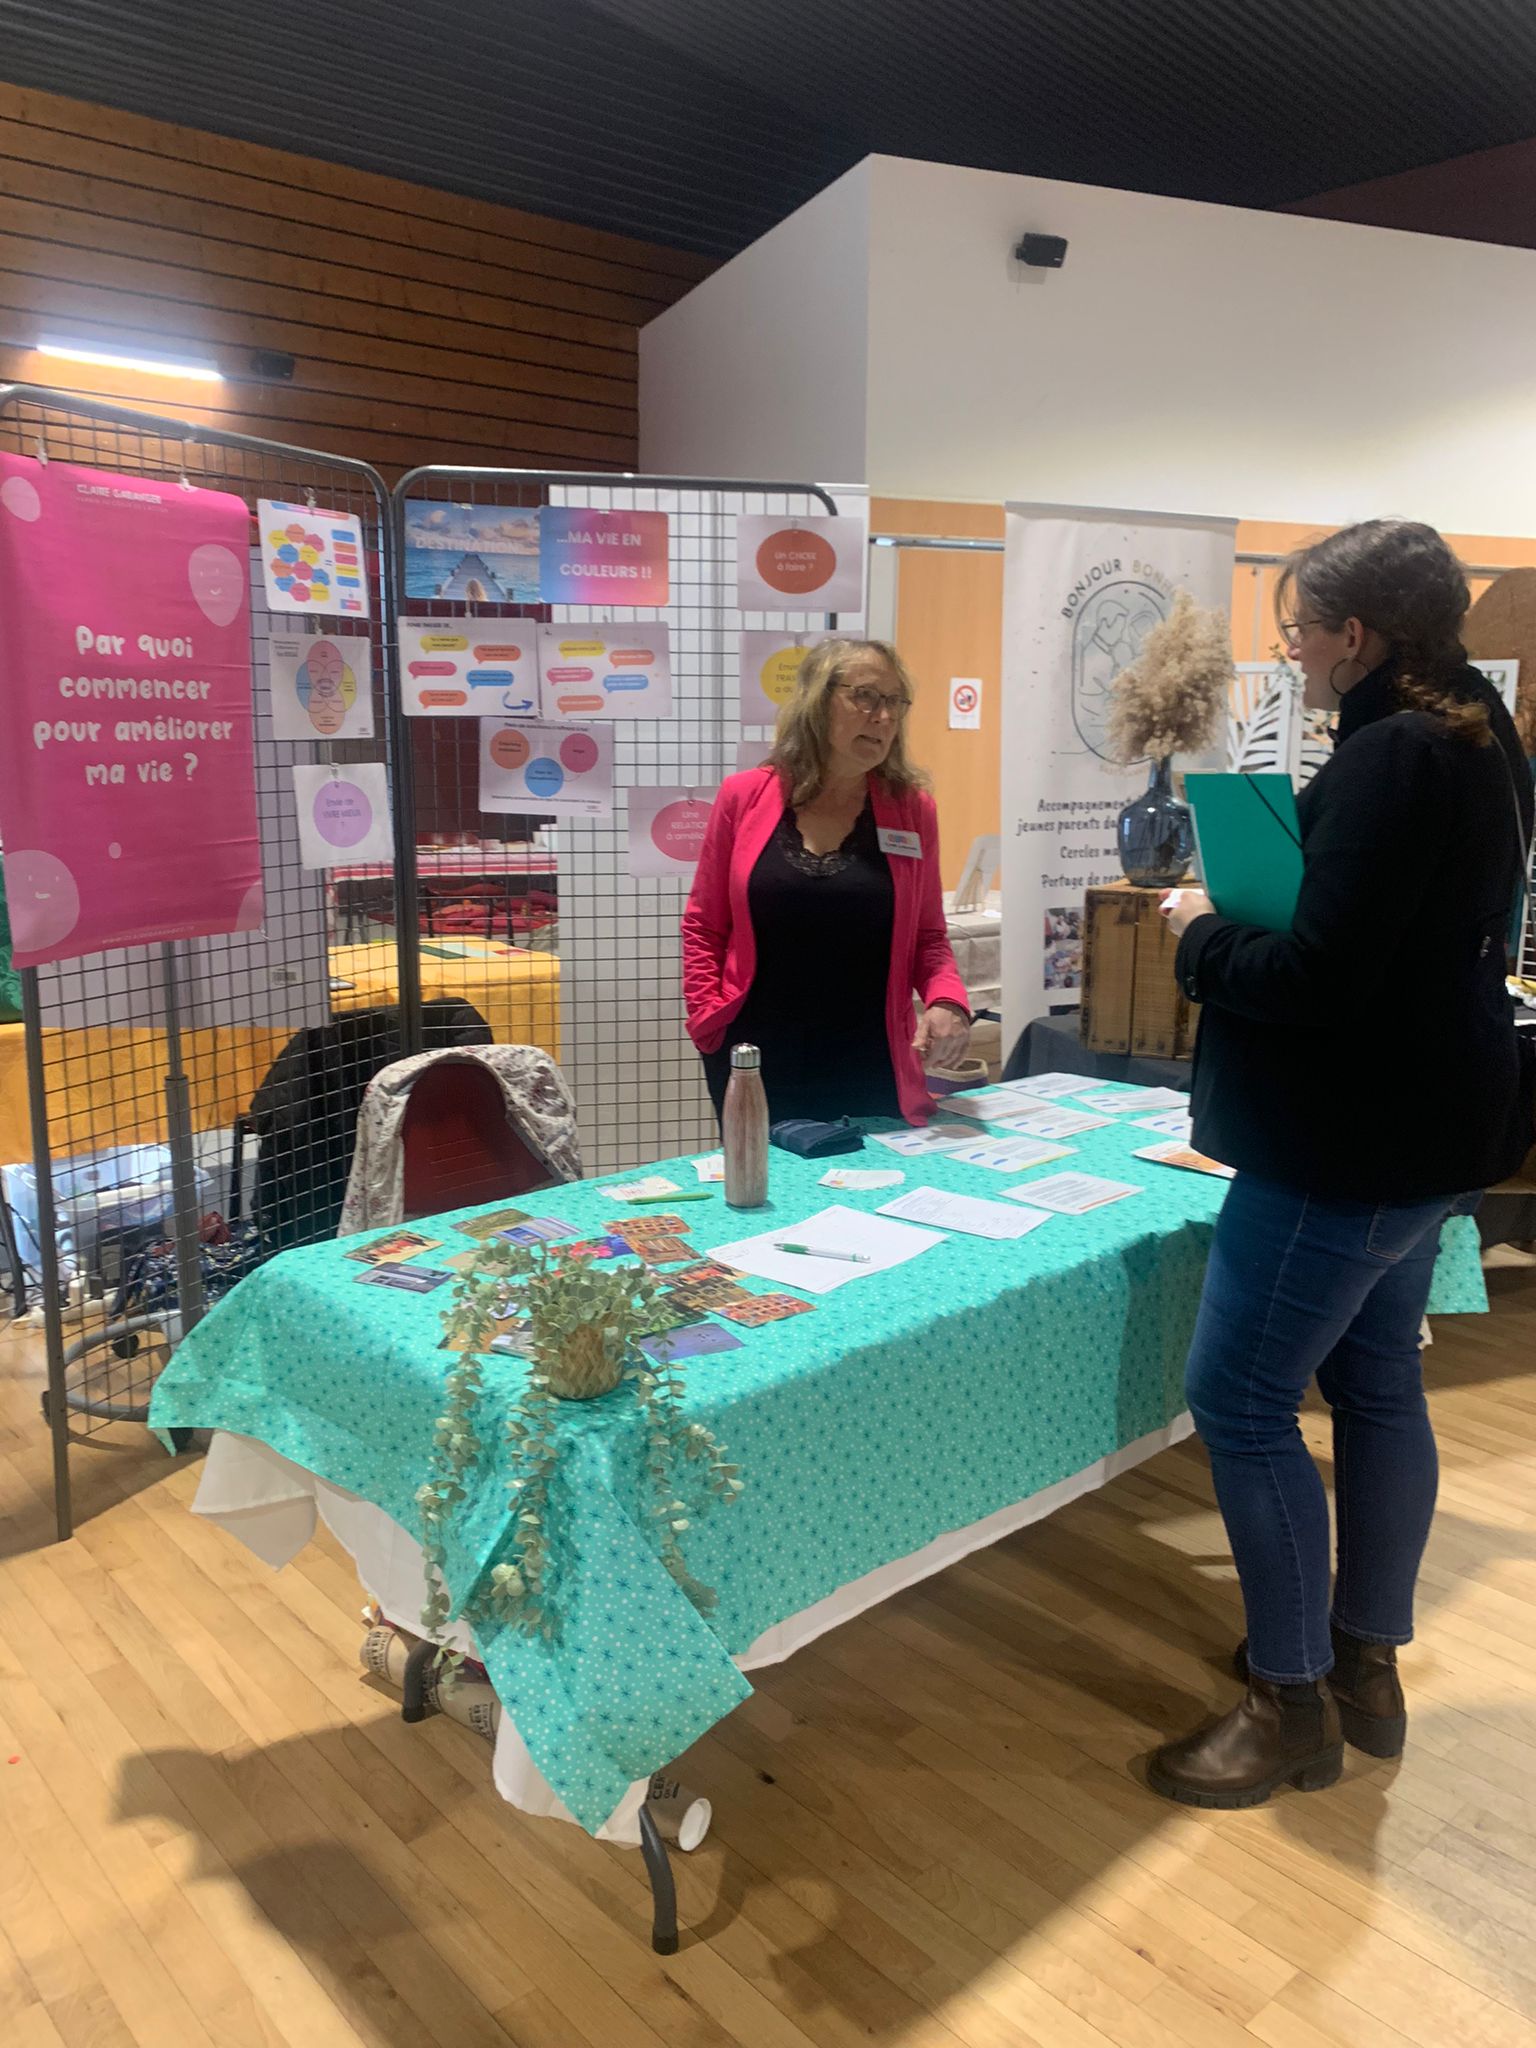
928	1831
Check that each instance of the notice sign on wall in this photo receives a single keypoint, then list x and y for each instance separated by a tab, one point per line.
557	771
606	671
666	830
799	564
469	668
127	777
588	557
322	686
770	668
965	703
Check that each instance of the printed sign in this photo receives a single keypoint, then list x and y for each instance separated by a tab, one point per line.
322	686
469	668
343	815
472	554
1081	591
800	564
556	771
312	561
588	557
666	830
588	672
965	703
127	777
769	667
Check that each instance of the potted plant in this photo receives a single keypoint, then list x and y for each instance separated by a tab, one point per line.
576	1328
1169	700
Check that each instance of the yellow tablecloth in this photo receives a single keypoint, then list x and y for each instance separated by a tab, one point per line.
106	1084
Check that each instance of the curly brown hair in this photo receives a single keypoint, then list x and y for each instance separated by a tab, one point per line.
1401	579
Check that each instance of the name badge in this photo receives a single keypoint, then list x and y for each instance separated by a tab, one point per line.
908	845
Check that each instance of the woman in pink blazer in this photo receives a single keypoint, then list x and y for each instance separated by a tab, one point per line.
816	912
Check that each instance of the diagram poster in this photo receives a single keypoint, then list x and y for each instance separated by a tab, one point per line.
666	830
127	773
590	557
469	668
322	686
590	672
770	665
553	771
312	561
799	564
472	554
344	816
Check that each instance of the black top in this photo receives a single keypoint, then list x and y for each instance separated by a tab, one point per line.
823	925
1369	1053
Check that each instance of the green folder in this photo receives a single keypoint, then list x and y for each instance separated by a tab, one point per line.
1249	838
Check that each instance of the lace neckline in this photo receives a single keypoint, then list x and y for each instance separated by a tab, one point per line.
800	856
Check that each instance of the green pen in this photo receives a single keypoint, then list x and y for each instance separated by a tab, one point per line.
677	1195
811	1251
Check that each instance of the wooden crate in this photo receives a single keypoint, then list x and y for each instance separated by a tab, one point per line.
1131	1001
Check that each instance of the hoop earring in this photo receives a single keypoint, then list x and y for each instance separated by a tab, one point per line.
1340	663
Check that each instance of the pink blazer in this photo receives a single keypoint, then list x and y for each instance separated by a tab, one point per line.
720	947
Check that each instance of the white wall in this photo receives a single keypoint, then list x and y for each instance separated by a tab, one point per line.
1188	357
1193	357
761	370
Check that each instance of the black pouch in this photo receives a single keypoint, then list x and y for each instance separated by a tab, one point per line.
814	1140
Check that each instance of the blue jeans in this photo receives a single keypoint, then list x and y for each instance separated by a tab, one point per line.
1299	1286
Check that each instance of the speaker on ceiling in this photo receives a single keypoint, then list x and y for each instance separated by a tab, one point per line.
1042	252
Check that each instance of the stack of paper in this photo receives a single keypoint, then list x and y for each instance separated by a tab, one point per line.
866	1244
965	1213
1009	1155
1071	1194
1056	1120
935	1137
1134	1101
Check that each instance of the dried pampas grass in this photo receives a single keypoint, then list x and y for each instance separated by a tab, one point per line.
1172	697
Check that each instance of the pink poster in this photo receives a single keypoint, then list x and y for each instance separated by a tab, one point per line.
127	776
588	557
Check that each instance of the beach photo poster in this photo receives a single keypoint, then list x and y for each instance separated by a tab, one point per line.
471	554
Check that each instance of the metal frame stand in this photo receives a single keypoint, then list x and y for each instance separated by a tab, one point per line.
163	986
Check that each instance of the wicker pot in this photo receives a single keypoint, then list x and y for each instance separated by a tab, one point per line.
586	1365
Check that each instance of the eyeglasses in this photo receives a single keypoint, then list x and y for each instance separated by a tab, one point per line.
1292	629
872	703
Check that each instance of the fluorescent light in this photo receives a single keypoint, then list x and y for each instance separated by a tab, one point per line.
155	366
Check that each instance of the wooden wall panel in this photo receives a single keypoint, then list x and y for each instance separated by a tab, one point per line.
423	326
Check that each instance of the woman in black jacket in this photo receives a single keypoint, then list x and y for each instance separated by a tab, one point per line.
1360	1071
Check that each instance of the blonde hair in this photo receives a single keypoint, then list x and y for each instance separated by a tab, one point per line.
800	745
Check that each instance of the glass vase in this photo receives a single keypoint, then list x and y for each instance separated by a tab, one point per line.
1157	835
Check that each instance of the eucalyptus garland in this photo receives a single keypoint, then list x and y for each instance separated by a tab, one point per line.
579	1327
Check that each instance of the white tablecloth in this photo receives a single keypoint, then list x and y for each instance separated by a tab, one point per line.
272	1505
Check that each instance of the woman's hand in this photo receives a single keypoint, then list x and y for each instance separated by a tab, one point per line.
942	1035
1182	906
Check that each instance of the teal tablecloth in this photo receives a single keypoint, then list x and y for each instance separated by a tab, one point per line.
912	1402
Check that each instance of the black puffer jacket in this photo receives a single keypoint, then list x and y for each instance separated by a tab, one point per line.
1369	1053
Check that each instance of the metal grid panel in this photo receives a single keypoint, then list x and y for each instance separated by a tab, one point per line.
191	1126
616	1016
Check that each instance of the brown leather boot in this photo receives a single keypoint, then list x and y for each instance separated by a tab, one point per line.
1278	1735
1364	1681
